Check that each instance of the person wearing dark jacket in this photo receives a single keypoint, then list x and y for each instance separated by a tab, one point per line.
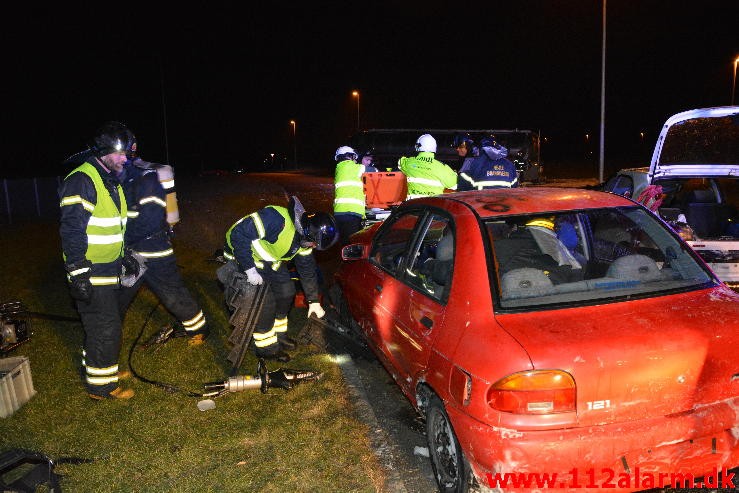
491	169
148	239
259	245
92	226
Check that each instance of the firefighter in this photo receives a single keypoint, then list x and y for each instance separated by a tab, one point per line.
92	227
424	174
491	169
466	150
349	201
148	236
261	244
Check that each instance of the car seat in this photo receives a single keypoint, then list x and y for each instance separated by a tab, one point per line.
634	267
526	282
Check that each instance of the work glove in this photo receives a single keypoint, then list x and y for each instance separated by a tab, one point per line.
131	266
253	277
80	286
316	309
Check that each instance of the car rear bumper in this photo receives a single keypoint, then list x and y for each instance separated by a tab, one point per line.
695	442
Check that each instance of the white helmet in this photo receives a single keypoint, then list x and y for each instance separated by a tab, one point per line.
426	143
341	153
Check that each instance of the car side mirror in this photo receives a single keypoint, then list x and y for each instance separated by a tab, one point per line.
354	252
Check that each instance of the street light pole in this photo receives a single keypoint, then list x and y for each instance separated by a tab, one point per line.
295	145
733	85
356	95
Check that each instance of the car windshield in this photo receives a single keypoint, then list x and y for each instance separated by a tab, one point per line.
588	256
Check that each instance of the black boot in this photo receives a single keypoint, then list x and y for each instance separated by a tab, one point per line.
278	355
287	343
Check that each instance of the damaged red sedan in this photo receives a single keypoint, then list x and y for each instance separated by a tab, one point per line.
561	334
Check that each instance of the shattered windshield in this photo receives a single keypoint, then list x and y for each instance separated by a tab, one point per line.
702	141
580	257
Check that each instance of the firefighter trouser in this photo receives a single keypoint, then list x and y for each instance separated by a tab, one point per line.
163	278
348	224
101	321
278	300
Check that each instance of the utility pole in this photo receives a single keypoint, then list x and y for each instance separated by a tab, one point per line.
602	101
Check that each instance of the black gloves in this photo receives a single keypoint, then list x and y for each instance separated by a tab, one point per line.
131	266
80	286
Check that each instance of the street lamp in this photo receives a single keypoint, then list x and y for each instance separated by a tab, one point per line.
733	85
295	145
356	95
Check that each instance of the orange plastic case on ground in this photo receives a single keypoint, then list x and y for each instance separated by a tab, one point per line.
384	189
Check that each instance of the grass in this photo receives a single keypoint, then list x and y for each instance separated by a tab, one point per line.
306	439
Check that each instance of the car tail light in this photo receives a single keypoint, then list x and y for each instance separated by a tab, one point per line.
534	392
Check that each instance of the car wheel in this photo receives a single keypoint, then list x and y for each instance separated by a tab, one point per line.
447	459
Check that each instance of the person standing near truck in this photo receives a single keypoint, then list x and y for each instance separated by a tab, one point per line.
491	169
349	201
424	174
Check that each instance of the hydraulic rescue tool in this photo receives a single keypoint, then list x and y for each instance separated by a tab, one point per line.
245	301
282	378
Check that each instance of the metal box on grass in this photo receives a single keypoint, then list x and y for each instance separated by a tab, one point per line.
16	386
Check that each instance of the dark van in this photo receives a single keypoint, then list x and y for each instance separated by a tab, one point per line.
389	144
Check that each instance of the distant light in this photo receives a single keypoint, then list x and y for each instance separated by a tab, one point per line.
355	93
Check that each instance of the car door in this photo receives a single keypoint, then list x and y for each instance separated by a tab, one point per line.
427	277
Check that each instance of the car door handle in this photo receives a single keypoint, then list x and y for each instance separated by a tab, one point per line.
427	322
378	288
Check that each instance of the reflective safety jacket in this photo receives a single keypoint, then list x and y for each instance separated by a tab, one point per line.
486	172
267	238
147	229
426	176
93	221
349	189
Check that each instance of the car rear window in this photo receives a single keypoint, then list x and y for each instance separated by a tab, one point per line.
588	256
702	141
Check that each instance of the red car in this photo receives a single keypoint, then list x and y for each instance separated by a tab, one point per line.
564	337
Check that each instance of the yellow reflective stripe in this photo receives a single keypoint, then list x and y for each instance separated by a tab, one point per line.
104	281
348	201
305	251
104	239
77	272
280	325
266	339
481	184
132	214
228	256
197	319
161	253
102	380
258	264
105	222
352	183
167	184
152	199
76	199
256	244
110	370
276	265
425	181
258	224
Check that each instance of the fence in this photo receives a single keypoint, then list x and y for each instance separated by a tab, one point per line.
27	199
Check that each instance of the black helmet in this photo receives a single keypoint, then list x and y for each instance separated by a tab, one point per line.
490	142
461	139
320	228
113	137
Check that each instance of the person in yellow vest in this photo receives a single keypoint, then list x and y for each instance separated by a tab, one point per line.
349	201
92	227
260	245
424	174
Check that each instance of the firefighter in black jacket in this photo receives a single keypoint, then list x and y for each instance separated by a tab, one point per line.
261	244
148	239
92	226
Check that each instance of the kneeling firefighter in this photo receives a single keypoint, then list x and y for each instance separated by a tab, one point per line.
259	246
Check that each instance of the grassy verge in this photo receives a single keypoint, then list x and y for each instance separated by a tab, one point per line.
307	439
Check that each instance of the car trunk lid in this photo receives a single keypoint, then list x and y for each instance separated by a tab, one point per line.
638	359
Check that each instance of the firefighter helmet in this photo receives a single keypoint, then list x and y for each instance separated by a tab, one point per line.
462	139
345	152
319	228
426	143
113	137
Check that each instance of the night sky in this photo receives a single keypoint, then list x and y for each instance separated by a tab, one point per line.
232	78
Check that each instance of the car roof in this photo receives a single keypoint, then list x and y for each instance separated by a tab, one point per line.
525	200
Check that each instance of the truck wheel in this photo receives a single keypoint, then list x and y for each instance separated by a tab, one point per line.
447	459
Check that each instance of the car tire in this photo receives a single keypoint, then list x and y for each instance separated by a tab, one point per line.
451	469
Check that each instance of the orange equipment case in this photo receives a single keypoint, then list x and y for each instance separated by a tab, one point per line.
384	189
